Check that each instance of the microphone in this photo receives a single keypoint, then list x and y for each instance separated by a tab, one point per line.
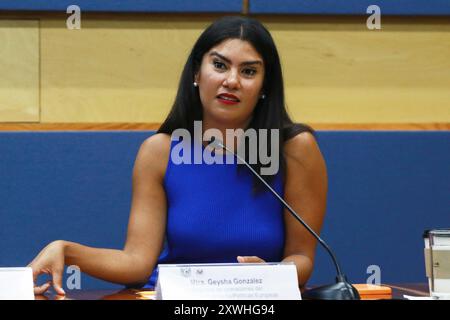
342	289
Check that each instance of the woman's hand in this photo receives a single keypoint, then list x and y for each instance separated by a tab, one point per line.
49	261
250	259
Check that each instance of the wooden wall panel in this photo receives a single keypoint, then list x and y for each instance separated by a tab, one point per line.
338	71
19	70
113	71
125	69
79	126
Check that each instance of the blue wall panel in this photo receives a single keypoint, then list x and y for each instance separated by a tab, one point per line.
126	6
352	7
72	186
385	188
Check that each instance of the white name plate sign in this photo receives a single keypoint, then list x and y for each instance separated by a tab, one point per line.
230	281
16	284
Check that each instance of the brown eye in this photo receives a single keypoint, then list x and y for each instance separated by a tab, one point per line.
249	72
218	65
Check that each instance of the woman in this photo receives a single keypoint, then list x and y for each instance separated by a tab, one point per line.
204	213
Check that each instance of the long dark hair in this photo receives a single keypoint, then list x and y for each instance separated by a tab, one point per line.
269	113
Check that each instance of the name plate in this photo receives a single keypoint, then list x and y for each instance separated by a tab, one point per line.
230	281
16	284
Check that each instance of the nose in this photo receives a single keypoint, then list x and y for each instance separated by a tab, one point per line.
232	80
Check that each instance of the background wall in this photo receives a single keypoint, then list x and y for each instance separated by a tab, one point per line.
124	68
385	189
120	71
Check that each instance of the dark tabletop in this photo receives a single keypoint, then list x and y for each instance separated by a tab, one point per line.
398	290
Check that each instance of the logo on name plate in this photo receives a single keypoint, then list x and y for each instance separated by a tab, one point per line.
185	272
199	272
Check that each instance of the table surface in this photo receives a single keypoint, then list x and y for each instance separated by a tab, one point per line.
398	290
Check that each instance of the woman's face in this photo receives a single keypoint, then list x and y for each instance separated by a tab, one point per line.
230	81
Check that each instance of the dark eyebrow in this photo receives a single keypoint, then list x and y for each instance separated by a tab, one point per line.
245	63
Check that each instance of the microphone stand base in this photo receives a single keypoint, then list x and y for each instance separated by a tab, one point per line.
341	290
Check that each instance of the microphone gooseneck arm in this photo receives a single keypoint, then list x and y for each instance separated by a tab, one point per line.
287	206
342	289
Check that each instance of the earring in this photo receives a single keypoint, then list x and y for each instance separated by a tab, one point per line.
195	84
263	96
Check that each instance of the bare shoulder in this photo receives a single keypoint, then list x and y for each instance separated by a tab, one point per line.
157	145
306	171
303	148
153	154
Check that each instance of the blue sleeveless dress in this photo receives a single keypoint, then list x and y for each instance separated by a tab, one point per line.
213	216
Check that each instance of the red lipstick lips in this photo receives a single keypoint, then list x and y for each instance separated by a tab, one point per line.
228	98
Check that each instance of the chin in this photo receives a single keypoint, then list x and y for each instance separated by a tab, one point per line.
232	114
225	116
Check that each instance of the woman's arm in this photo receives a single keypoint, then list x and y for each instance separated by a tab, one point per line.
306	193
135	262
